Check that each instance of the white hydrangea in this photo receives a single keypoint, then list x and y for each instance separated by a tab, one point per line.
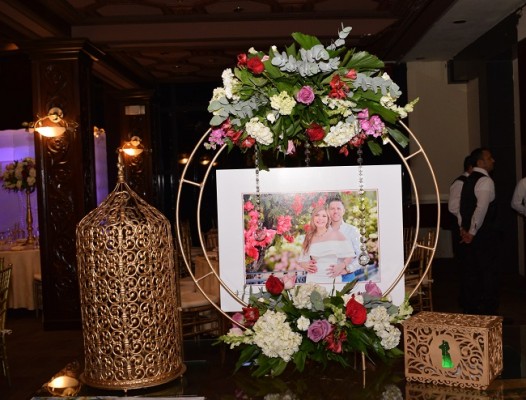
283	103
274	336
302	296
303	323
378	319
340	134
390	337
259	131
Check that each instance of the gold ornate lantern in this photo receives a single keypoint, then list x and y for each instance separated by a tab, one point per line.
131	327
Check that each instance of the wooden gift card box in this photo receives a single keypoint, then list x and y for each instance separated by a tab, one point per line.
453	349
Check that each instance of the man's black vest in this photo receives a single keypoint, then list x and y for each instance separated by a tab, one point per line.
468	203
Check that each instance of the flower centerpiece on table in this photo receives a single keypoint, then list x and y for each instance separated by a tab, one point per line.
299	323
20	176
323	96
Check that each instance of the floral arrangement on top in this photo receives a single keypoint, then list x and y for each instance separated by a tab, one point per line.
20	176
324	96
299	323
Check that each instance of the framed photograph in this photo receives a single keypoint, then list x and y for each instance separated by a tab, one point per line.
275	237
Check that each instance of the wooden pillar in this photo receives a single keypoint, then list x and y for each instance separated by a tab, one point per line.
61	72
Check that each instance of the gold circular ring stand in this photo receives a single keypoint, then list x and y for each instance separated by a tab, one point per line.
419	151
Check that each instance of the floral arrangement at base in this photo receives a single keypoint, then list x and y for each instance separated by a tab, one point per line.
20	176
323	96
304	323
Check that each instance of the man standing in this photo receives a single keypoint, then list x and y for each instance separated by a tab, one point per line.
455	191
453	205
478	212
519	197
351	233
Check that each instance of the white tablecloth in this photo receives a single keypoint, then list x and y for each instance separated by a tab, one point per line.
26	263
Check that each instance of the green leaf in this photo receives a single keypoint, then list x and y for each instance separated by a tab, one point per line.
305	41
272	71
279	368
375	148
249	353
400	138
362	60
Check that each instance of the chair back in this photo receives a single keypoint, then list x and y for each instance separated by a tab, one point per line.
5	278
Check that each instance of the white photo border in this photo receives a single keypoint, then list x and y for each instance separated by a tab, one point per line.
232	184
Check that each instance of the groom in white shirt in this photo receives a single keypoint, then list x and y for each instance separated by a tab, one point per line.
351	233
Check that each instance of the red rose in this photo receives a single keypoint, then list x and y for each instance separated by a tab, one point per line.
356	312
255	65
315	132
274	285
241	60
251	315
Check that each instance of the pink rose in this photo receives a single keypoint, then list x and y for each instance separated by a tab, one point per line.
305	95
372	289
318	330
289	281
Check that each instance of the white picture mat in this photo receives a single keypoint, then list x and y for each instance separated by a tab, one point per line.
232	184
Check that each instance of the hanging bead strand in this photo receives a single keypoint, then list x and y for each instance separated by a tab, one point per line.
259	234
364	255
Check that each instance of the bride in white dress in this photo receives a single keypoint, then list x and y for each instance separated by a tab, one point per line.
326	252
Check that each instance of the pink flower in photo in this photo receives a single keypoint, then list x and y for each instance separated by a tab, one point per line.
248	206
284	224
297	205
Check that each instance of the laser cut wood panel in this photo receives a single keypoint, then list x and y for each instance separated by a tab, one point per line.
473	343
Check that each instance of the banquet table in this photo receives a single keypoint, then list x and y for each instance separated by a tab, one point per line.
26	263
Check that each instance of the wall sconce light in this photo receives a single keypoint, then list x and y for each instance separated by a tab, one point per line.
204	160
183	159
53	124
134	147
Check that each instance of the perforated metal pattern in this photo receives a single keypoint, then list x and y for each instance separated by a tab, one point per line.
128	294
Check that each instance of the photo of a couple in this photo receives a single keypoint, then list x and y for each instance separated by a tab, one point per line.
313	237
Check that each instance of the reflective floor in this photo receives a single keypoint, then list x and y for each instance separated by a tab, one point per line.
210	374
